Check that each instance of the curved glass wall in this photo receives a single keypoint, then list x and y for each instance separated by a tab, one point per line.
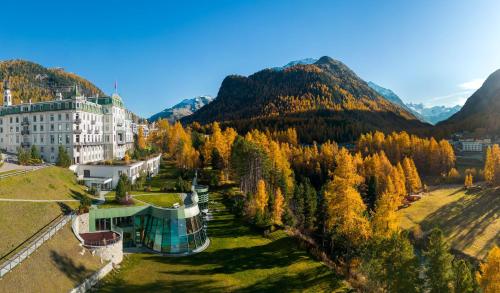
173	235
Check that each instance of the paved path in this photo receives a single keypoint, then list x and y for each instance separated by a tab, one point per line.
37	200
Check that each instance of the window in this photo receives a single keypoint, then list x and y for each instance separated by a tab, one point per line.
41	127
67	139
51	127
34	118
17	119
10	119
59	117
67	116
103	224
51	117
52	139
41	118
1	121
34	127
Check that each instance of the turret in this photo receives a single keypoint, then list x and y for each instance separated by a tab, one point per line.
7	96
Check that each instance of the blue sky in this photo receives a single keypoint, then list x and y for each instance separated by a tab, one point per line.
435	52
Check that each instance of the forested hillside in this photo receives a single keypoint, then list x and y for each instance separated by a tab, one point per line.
324	100
481	113
28	80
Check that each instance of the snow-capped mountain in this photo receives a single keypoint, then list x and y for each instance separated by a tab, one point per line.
182	109
434	114
306	61
431	115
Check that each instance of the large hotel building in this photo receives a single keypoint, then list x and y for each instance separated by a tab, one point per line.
90	128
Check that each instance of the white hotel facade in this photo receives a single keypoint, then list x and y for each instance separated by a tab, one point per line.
89	128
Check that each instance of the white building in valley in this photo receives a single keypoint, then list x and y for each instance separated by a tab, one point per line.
89	128
474	145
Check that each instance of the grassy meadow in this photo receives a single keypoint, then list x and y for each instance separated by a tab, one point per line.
238	259
470	220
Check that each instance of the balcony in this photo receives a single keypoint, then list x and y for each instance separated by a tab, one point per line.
77	121
89	131
25	132
25	123
96	131
77	131
25	144
88	143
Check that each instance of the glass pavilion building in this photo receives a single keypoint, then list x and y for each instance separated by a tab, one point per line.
171	231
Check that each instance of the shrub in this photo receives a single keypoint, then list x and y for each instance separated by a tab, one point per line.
123	188
63	159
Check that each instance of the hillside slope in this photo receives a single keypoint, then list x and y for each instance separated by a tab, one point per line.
29	80
324	100
481	112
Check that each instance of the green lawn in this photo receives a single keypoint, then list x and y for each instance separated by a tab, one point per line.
20	220
238	259
165	200
57	266
469	220
167	177
112	203
46	183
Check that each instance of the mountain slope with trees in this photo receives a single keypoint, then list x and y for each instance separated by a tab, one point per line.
324	100
31	81
481	112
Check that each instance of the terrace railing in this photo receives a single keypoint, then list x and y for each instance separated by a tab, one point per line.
21	172
33	245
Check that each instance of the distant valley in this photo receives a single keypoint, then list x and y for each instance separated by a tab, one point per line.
430	115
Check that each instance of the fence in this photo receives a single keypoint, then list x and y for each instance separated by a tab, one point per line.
22	172
92	280
34	245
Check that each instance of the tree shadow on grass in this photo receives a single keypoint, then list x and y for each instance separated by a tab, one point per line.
75	194
65	209
319	278
118	285
279	253
66	265
467	220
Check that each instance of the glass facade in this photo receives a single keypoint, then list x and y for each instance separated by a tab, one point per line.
202	192
164	230
173	235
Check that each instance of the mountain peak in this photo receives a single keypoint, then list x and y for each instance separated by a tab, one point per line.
185	108
325	95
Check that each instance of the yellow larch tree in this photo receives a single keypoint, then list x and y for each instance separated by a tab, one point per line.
345	208
141	140
278	207
385	220
261	197
488	276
